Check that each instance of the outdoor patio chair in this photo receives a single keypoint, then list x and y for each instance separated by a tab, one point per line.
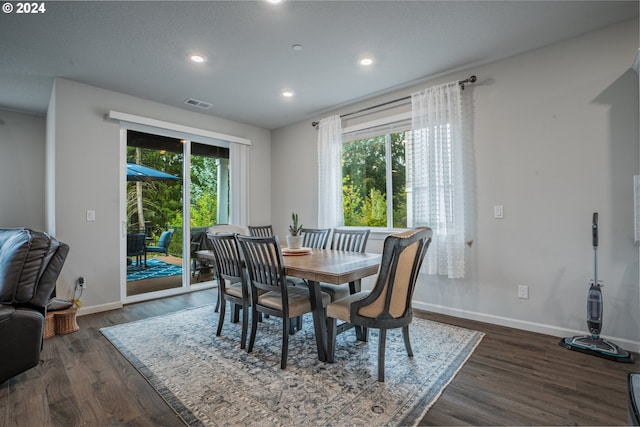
388	304
136	248
163	243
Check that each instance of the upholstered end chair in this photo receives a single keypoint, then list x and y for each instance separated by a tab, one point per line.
30	263
388	304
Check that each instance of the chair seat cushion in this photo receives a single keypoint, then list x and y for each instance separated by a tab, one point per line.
341	308
299	302
234	290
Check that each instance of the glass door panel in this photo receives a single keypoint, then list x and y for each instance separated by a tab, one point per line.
154	213
209	201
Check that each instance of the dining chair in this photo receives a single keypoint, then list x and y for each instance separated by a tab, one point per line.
265	268
388	304
232	283
351	241
260	230
315	238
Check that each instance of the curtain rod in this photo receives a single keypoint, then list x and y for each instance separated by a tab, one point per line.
471	79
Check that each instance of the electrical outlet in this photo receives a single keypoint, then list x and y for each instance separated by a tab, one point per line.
523	292
81	283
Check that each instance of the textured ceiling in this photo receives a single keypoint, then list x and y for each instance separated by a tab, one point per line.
140	48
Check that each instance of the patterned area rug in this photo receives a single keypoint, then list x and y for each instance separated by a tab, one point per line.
154	268
210	381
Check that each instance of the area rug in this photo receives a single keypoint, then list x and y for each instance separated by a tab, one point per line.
155	268
210	381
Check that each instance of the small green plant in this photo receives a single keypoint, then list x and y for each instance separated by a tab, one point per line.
294	228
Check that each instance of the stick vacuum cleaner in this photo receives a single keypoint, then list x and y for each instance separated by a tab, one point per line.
593	344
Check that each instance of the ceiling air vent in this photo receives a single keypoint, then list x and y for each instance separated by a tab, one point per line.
199	104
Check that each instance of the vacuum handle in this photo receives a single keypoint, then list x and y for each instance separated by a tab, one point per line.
594	229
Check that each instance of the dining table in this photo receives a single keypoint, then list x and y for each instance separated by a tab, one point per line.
328	266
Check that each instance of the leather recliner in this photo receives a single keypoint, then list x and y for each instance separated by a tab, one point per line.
30	263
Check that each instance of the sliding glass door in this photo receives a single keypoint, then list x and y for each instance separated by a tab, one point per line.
175	189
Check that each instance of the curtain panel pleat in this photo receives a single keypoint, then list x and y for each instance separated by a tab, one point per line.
330	211
437	184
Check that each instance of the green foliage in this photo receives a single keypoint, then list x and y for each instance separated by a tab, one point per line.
162	200
364	186
294	228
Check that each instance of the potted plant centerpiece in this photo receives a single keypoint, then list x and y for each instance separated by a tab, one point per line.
294	239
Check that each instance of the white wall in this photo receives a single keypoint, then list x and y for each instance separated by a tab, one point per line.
556	139
87	178
22	170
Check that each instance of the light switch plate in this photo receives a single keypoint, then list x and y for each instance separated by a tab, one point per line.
498	211
91	215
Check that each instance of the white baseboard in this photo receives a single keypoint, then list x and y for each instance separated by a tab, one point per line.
99	308
520	324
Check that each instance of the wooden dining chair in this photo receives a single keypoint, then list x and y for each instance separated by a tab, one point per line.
388	304
232	283
260	230
265	268
351	241
315	238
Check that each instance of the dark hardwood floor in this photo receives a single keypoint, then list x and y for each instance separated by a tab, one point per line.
513	378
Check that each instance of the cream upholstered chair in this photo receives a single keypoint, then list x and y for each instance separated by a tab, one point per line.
232	283
260	230
388	304
265	269
351	241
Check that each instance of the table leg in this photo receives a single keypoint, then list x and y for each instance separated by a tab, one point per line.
319	319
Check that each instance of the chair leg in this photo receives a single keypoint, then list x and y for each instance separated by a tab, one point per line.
381	349
218	300
235	318
285	342
245	325
254	328
223	307
407	343
332	325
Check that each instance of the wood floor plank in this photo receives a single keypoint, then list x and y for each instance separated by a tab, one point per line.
513	378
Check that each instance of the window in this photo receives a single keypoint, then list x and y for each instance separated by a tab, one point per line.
373	181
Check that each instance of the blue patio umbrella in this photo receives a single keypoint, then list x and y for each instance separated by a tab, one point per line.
137	172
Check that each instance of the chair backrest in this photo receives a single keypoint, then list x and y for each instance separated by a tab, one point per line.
350	240
264	264
135	244
390	299
260	230
165	238
316	238
228	262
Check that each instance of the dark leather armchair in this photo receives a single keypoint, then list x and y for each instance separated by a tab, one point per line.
30	263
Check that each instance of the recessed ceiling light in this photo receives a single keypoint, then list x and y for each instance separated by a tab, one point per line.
366	61
287	93
296	47
274	1
197	58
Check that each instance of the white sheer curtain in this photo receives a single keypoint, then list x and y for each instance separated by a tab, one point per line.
330	210
438	190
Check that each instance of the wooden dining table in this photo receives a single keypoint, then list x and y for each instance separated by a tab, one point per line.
329	266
